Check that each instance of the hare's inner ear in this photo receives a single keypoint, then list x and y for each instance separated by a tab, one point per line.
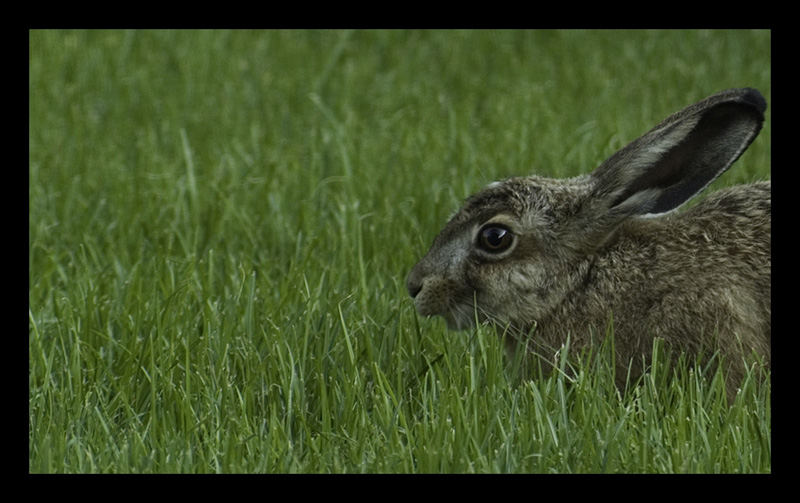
678	158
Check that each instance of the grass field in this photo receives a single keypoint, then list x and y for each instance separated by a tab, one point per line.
221	224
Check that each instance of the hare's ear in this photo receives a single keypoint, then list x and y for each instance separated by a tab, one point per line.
680	156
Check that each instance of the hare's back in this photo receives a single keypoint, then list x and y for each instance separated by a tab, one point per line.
734	222
751	202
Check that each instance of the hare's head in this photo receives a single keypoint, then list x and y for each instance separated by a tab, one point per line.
518	247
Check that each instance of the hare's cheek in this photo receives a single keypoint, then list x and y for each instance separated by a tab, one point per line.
512	288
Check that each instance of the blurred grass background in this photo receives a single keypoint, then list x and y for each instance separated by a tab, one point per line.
221	223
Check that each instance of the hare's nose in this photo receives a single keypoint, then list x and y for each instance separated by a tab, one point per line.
413	283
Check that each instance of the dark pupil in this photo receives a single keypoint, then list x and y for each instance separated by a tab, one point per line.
494	236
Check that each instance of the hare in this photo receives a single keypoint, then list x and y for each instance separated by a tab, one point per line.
546	259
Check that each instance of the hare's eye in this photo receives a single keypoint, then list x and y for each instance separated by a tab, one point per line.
495	239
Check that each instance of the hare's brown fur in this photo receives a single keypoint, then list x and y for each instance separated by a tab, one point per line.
585	252
662	287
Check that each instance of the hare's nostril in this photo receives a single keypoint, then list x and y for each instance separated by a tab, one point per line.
413	289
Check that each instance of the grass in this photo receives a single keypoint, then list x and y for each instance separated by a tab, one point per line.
221	223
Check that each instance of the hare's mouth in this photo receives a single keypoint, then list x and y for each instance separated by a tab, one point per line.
462	316
456	317
457	310
455	322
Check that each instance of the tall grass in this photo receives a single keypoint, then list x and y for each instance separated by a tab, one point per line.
221	223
